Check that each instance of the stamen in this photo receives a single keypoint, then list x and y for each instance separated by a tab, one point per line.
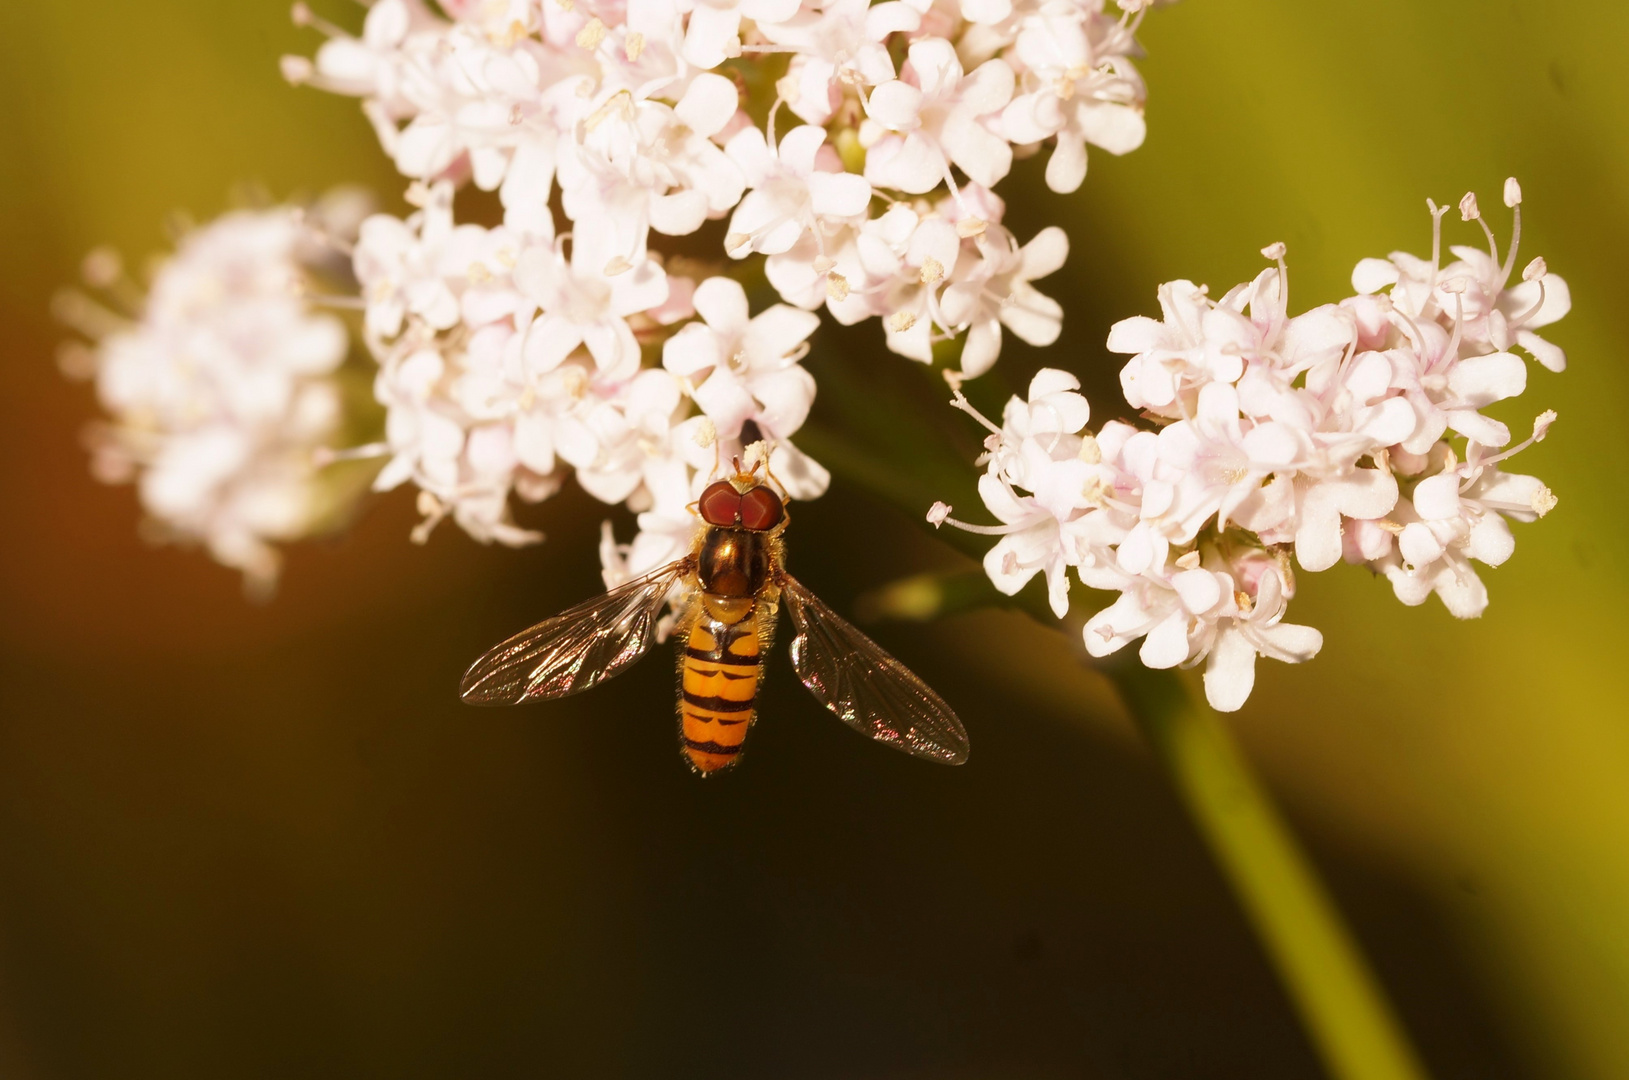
592	33
959	401
323	456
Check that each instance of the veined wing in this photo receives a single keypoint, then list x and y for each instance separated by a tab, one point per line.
577	648
868	689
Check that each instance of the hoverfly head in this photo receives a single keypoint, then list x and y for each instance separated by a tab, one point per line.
758	508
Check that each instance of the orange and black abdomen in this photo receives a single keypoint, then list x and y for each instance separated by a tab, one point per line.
718	681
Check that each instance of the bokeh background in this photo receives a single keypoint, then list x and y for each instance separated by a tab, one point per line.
265	841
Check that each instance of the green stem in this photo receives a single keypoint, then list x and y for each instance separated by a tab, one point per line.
903	459
1337	997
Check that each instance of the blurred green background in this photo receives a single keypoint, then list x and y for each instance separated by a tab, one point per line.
266	841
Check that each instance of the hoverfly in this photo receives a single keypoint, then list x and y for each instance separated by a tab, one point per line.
732	584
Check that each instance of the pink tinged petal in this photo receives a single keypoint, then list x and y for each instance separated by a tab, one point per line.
1473	425
769	11
891	17
983	156
1482	380
644	288
550	340
1372	275
895	105
785	397
982	348
1057	586
613	346
1436	498
799	147
751	154
1101	635
934	239
1393	422
726	402
999	500
1490	540
1461	590
1044	254
1230	671
1138	334
1024	121
914	164
1418	545
1365	541
988	12
709	33
1119	129
801	475
678	214
987	89
838	194
935	64
1551	356
722	302
708	104
1271	445
1050	381
1166	645
693	349
1199	590
1035	318
776	332
914	343
1520	299
534	443
1318	537
1287	643
1005	569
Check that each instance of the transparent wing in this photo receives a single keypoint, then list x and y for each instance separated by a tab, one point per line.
869	690
577	648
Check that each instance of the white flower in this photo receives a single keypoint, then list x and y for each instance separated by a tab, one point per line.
930	118
835	46
1326	431
582	305
997	290
799	188
220	394
1078	87
1220	613
744	369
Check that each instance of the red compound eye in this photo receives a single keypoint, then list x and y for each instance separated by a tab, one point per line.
720	504
761	509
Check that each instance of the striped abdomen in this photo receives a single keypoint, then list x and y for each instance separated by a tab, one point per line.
718	681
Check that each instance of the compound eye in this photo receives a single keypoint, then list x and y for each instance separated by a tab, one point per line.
720	504
761	509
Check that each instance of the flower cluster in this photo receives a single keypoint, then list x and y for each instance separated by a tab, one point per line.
219	382
1353	430
850	147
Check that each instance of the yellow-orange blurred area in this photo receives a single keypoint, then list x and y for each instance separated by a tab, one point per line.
241	840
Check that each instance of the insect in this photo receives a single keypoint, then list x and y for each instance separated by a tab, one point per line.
733	583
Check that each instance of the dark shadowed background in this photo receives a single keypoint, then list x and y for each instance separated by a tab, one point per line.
266	841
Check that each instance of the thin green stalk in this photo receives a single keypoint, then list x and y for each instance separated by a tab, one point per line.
1337	996
1339	1001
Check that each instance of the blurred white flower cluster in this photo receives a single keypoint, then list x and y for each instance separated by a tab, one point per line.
853	146
1353	430
219	382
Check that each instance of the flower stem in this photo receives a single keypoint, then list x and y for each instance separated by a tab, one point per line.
1337	997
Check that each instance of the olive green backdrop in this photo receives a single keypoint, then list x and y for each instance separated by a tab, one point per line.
266	841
